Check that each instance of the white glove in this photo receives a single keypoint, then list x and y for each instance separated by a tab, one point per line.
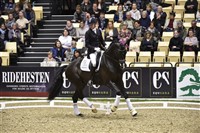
97	49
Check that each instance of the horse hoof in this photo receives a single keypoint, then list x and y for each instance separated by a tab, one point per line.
133	113
94	110
80	115
114	108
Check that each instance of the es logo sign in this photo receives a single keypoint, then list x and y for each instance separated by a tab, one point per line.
188	83
161	82
132	82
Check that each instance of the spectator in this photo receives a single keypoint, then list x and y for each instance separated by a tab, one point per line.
2	21
103	22
198	16
49	60
94	11
129	21
76	55
135	13
10	6
111	33
195	29
10	20
14	35
191	6
80	32
2	5
176	42
124	35
171	23
2	45
137	32
150	11
144	4
119	15
145	20
191	42
22	4
87	18
86	5
58	51
30	14
159	19
79	15
127	5
181	30
66	41
101	5
16	12
4	33
148	43
70	28
22	22
154	32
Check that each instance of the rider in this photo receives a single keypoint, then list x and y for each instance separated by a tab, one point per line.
94	41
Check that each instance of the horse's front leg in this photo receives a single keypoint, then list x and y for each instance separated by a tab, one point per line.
118	96
120	86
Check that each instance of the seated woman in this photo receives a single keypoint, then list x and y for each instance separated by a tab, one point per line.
49	60
191	42
58	51
14	35
79	15
80	32
3	33
138	31
120	15
66	41
70	28
155	33
111	33
22	22
176	42
124	36
101	5
76	55
181	29
191	6
148	43
171	23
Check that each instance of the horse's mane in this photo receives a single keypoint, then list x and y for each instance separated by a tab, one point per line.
111	48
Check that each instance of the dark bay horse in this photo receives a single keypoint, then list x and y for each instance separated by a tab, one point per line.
109	74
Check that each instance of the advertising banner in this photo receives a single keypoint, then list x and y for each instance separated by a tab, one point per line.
138	83
188	82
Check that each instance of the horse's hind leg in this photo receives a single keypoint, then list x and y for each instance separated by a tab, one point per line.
75	105
128	102
80	88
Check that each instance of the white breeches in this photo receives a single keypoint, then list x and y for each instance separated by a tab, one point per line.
93	57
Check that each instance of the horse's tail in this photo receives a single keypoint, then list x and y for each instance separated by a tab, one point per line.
57	83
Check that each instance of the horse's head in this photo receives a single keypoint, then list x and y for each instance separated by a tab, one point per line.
117	51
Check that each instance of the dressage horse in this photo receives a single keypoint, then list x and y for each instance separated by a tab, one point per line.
109	74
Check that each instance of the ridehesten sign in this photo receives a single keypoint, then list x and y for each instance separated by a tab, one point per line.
138	83
188	83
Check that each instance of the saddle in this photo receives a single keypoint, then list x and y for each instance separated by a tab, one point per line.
86	64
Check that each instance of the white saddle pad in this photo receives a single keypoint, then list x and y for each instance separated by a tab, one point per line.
85	64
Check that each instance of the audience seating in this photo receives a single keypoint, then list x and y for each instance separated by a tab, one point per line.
110	8
79	45
179	9
109	16
159	56
131	56
163	46
144	56
188	17
167	36
38	13
134	46
5	58
188	56
198	57
11	47
5	17
181	2
173	57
